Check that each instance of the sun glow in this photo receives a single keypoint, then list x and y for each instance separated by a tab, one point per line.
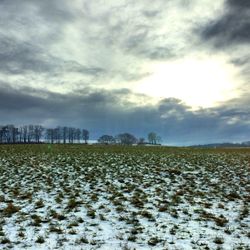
197	82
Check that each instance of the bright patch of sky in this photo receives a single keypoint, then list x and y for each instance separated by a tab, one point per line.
199	82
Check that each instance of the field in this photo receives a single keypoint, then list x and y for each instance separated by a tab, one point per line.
101	197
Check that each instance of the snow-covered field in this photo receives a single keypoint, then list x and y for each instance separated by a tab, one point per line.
90	197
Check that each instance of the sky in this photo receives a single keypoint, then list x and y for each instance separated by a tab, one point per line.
180	68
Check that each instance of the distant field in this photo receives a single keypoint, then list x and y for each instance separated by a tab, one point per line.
114	197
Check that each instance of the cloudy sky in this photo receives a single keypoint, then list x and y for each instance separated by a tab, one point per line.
177	67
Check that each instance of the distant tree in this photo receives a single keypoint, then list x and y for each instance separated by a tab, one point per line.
57	134
141	141
158	139
78	135
152	138
38	130
126	139
1	134
24	134
69	134
35	133
15	133
106	139
9	134
65	132
50	135
31	133
85	135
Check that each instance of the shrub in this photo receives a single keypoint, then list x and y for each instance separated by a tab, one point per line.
5	241
91	214
218	240
72	204
154	241
40	240
39	204
11	209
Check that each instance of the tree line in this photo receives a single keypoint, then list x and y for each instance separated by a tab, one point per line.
39	134
129	139
10	134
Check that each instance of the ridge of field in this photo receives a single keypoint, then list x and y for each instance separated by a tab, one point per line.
123	197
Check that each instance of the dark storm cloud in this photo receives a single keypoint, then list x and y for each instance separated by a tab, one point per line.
56	10
231	28
17	57
240	4
49	104
14	101
23	57
230	33
110	112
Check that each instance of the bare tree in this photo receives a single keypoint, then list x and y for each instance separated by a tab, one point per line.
141	141
126	139
71	135
106	139
85	135
35	133
65	134
50	135
158	139
38	130
78	135
24	134
152	138
1	134
31	133
9	134
15	133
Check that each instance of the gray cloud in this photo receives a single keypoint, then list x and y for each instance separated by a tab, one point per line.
37	22
239	3
23	58
231	28
111	112
57	10
108	43
151	13
230	33
17	57
28	30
